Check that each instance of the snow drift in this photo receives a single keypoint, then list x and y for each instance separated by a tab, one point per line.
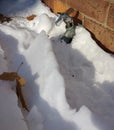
59	76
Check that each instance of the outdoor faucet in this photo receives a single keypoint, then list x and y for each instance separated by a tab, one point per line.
70	27
62	17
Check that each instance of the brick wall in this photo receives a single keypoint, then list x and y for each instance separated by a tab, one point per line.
96	15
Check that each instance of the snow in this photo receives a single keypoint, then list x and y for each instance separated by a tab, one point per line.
68	86
35	119
10	114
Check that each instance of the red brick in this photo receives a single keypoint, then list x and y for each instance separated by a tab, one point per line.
59	6
104	35
56	5
110	21
49	3
93	8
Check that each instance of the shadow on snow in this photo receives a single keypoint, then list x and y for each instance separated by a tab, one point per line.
53	119
81	88
8	7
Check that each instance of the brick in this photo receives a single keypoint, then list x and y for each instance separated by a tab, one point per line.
104	35
49	3
56	5
93	8
59	6
110	21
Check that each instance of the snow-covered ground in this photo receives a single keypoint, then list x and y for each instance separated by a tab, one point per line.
68	86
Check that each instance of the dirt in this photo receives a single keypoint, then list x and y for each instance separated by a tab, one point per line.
4	18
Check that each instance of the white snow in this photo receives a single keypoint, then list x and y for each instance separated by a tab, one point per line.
10	114
68	86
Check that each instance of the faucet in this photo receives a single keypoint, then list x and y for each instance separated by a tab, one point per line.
70	27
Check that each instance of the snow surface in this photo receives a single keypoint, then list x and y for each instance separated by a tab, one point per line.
67	86
10	114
